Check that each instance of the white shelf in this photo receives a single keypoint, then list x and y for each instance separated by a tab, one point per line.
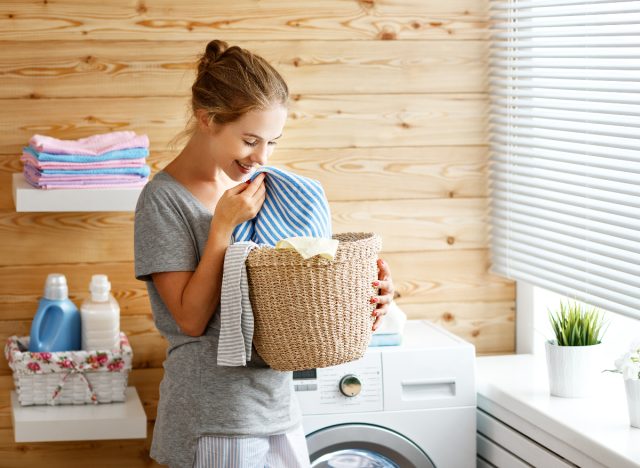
125	420
590	432
29	198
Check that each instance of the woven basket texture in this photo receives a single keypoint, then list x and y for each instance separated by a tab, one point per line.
316	312
37	389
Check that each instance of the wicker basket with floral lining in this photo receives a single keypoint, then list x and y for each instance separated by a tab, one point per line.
68	377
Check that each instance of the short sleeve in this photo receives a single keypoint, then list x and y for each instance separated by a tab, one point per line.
163	240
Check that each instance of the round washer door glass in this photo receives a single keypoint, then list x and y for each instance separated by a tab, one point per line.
353	459
364	446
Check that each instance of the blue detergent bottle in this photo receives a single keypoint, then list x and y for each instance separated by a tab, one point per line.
56	325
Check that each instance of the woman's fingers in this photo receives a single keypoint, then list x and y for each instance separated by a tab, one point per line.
383	270
378	314
385	287
261	192
382	299
235	190
376	323
254	185
384	283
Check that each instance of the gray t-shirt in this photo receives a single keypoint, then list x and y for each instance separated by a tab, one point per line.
196	396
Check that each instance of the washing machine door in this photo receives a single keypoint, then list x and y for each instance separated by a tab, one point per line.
364	446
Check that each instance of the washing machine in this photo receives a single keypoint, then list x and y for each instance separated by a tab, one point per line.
412	405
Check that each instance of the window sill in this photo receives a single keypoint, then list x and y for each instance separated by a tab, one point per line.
590	432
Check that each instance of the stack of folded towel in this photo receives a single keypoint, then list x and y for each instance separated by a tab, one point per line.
108	160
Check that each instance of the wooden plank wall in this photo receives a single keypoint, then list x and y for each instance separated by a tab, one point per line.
388	112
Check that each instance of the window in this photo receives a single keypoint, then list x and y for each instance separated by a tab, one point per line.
619	334
565	148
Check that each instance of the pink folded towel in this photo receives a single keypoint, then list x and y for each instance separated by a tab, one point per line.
89	146
92	181
28	158
57	186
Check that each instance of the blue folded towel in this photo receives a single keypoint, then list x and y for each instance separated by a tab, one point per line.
294	206
142	171
129	153
390	339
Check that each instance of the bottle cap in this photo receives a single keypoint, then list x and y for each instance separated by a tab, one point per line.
100	288
55	288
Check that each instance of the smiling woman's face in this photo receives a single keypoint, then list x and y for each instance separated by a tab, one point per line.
240	147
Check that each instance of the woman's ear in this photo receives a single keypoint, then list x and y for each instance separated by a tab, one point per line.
204	121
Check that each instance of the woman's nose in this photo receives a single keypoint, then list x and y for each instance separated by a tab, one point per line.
261	154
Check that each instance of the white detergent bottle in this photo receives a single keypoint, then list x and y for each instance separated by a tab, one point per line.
100	317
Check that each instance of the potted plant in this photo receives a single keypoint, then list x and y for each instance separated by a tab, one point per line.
629	366
574	357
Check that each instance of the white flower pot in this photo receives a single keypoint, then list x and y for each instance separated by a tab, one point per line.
633	400
574	371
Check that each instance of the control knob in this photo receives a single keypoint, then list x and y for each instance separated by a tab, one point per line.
350	385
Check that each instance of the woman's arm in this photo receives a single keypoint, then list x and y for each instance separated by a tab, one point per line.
192	296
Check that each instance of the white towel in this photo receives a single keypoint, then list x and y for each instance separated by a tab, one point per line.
309	247
393	322
236	315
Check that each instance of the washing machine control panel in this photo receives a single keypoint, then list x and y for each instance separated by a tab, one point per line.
352	387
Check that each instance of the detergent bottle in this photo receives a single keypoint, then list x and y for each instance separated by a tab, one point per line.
56	325
100	317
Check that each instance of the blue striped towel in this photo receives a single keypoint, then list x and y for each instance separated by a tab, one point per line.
129	153
294	206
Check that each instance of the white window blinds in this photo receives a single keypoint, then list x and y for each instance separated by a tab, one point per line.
565	148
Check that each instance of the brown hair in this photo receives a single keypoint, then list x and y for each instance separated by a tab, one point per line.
232	81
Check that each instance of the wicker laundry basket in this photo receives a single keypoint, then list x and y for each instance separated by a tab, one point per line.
316	312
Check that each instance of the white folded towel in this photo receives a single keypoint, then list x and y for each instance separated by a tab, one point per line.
393	322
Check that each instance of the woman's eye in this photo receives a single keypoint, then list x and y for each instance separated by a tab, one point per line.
250	143
273	143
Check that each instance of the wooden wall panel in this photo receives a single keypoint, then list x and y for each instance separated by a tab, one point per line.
388	112
315	121
161	20
123	68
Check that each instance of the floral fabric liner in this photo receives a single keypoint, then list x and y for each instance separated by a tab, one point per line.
66	363
21	361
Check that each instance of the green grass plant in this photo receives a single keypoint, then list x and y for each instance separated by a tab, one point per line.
575	324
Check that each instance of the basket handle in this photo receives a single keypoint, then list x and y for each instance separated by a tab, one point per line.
79	372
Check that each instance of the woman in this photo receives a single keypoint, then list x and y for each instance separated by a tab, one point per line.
210	415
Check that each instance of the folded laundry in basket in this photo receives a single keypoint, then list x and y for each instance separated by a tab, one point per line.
236	315
309	247
294	206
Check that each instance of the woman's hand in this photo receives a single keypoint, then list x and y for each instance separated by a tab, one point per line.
240	203
384	283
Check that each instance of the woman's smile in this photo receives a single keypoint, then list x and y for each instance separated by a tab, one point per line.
246	168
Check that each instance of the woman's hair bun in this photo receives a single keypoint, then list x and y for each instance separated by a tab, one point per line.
215	49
